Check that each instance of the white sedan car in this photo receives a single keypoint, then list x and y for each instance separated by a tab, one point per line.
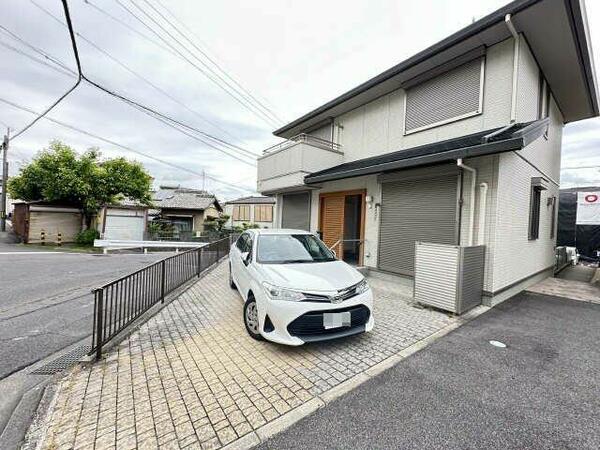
295	290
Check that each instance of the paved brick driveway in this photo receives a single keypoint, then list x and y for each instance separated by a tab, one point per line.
192	378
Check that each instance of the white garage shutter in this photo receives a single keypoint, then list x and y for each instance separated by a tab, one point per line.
415	210
123	227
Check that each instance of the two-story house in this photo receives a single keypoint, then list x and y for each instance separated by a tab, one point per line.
459	144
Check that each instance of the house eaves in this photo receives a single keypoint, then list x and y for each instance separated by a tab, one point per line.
556	31
483	143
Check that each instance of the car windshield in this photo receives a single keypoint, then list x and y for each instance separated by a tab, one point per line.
292	248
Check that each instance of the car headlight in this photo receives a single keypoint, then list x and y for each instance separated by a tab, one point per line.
279	293
362	287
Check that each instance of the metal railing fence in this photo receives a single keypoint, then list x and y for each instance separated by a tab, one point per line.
118	303
561	259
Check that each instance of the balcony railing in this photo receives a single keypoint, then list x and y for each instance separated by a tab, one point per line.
304	138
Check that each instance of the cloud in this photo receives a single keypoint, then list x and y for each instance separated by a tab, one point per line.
291	55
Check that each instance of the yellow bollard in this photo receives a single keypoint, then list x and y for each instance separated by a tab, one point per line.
59	239
43	237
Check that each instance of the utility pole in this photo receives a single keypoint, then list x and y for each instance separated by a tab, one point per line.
4	182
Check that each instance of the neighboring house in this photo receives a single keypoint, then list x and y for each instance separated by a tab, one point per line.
250	210
459	144
186	209
42	222
579	220
124	220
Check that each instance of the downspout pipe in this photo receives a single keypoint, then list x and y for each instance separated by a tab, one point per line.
515	75
459	163
483	188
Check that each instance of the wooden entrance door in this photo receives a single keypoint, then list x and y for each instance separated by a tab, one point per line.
332	219
332	222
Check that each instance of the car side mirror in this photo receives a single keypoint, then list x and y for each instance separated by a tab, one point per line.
246	258
334	253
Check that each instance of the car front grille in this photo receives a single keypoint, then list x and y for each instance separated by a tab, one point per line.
340	296
311	323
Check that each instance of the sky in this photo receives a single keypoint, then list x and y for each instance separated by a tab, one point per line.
284	58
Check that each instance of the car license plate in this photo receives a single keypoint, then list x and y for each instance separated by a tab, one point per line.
336	320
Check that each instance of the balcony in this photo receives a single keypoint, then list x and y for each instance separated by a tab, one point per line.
283	166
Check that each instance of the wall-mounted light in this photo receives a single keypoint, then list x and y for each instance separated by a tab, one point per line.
369	201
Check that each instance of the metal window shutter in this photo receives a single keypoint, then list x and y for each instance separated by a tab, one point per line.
296	211
452	94
417	210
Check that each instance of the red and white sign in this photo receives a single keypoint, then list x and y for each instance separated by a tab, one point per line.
588	208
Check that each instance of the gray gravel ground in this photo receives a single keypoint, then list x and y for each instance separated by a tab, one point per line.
542	391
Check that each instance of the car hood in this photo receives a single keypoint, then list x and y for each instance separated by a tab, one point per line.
312	277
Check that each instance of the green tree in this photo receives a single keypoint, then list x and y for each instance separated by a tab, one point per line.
215	224
59	174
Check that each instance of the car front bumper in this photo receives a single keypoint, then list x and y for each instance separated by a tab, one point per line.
296	323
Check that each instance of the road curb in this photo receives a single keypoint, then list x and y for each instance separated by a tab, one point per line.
286	420
38	429
343	388
13	435
244	443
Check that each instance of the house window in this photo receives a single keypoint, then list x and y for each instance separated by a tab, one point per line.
451	96
543	99
263	213
534	212
241	212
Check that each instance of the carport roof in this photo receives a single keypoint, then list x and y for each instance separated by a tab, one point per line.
497	140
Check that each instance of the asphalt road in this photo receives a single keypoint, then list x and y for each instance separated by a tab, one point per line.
541	391
45	299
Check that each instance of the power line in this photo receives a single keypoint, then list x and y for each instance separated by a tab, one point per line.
38	50
223	71
127	26
165	119
173	123
169	96
218	141
116	144
133	30
213	58
246	101
131	102
77	83
249	107
175	127
36	59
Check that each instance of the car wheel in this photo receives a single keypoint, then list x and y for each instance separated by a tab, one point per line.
231	283
251	319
